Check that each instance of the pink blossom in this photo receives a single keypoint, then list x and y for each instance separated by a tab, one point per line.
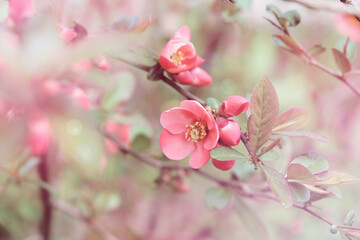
229	131
121	132
188	129
349	26
233	106
196	77
20	10
39	133
223	165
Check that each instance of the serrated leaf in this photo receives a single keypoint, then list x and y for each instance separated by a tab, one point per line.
224	153
350	218
293	18
334	178
264	109
314	162
300	134
287	43
341	61
298	172
299	192
213	103
316	50
292	119
252	222
217	198
278	185
121	92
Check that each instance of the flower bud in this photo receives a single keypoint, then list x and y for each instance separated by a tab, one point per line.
229	131
233	106
223	165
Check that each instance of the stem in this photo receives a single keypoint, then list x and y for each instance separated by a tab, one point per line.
45	224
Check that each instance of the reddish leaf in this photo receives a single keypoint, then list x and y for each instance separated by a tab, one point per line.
292	119
314	162
299	134
270	147
299	192
264	108
334	178
278	185
341	61
288	43
297	171
316	50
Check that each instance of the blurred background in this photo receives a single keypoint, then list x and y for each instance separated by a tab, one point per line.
65	90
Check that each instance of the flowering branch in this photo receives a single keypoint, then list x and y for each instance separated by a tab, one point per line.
328	6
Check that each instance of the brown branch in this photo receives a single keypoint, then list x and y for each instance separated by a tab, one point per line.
77	214
335	7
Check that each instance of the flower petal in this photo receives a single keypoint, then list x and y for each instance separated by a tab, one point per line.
199	157
223	165
175	146
185	78
211	139
175	120
183	33
201	77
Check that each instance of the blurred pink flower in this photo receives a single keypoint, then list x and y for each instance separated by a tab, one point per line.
233	106
39	133
188	129
20	10
348	25
179	58
121	132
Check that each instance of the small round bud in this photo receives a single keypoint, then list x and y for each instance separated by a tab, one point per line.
233	106
334	229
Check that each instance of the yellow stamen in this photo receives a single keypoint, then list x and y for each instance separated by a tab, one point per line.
177	57
196	131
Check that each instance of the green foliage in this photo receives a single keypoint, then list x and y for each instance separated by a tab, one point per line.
224	153
299	192
217	198
120	92
278	185
213	103
314	162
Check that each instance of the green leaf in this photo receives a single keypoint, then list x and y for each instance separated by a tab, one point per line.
293	18
271	155
314	162
278	185
299	192
107	201
341	61
292	119
316	50
350	48
288	43
224	153
350	218
121	92
217	198
253	223
273	9
264	109
213	103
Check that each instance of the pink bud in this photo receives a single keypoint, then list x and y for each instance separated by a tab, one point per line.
67	34
201	78
39	134
81	98
185	78
229	131
223	165
233	106
21	9
101	63
121	132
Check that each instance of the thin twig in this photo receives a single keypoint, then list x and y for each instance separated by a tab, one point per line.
327	6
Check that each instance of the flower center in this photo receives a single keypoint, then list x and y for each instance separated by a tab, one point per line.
196	131
177	57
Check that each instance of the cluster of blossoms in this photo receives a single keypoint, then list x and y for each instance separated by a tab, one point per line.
196	130
179	58
192	128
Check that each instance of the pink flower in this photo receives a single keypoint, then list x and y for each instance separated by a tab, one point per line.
347	24
39	133
121	132
196	77
188	129
20	10
229	131
233	106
